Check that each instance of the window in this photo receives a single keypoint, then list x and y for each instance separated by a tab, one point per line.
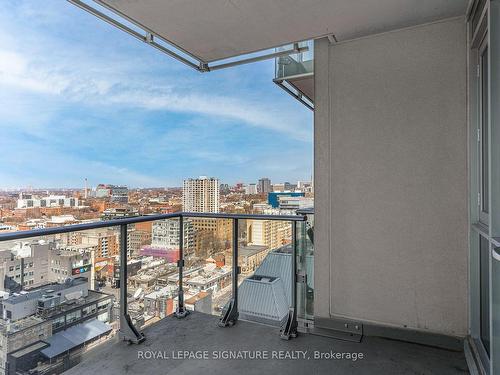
103	305
484	135
484	265
89	310
58	322
103	317
75	315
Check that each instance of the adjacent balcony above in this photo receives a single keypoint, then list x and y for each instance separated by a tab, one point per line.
295	73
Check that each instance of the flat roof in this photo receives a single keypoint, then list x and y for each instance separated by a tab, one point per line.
31	348
74	336
38	292
20	325
250	250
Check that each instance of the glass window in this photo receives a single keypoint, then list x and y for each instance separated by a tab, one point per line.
484	132
58	322
103	305
75	315
89	310
103	317
484	264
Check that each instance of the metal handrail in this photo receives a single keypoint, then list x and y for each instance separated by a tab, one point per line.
139	219
230	314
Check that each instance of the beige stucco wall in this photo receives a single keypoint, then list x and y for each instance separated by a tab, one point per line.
391	178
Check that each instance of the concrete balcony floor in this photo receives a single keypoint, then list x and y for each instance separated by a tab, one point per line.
199	332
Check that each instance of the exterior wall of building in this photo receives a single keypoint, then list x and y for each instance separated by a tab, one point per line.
106	241
251	189
11	341
66	264
166	234
391	178
50	201
273	197
269	233
119	194
294	203
26	272
137	238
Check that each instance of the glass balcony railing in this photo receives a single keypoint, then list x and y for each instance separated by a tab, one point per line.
121	276
297	64
305	268
294	73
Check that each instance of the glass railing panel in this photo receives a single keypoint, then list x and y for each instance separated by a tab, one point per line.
305	268
265	284
208	268
57	285
295	64
152	270
124	278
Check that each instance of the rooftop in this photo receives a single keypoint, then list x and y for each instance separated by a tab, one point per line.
199	332
19	325
93	296
37	293
246	251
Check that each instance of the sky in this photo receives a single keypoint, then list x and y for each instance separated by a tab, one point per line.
81	99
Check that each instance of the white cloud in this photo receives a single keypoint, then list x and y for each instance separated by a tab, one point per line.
82	82
49	63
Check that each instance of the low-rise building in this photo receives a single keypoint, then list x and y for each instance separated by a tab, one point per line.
30	201
22	341
26	303
24	266
70	262
249	257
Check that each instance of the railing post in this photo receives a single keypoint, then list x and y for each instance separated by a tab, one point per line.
230	313
181	311
289	329
127	329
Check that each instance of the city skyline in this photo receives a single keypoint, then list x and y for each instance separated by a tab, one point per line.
93	186
103	106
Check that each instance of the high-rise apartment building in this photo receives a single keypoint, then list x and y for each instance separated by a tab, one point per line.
264	185
201	195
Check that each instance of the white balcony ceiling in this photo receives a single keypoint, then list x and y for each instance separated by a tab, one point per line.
218	29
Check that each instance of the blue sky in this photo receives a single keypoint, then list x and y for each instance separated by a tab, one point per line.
79	98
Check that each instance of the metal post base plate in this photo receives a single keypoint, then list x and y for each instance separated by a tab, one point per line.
181	313
129	333
229	315
289	329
